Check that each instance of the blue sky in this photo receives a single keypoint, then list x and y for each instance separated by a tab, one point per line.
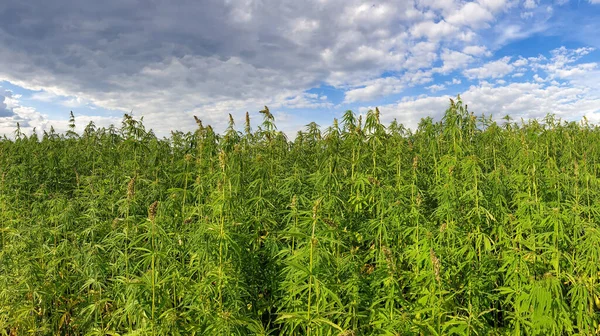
306	60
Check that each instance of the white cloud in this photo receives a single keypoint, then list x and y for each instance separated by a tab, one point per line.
5	111
530	4
526	15
418	78
453	60
454	81
409	112
375	89
381	87
263	52
561	64
576	96
29	119
512	32
422	55
436	87
471	14
520	62
538	79
305	100
527	100
494	69
530	100
432	30
495	5
445	6
66	101
477	51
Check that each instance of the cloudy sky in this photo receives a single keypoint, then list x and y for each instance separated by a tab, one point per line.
307	60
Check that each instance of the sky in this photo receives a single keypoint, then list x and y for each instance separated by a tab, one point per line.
310	60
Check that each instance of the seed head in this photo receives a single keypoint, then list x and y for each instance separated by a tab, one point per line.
198	122
348	333
294	202
152	210
222	160
330	222
368	268
388	253
315	208
374	181
436	264
131	188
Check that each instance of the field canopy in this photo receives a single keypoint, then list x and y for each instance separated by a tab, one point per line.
462	226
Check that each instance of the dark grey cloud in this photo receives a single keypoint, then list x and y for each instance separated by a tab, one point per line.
213	56
85	44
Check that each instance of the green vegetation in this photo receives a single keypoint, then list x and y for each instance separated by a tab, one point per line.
464	226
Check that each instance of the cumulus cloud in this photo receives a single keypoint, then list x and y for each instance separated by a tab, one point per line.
375	89
493	69
198	57
453	60
526	100
422	55
471	14
496	5
561	64
410	111
520	62
454	81
168	62
30	119
530	4
477	50
575	95
436	87
381	87
433	30
4	110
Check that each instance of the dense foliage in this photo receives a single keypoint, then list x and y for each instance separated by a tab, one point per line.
464	226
